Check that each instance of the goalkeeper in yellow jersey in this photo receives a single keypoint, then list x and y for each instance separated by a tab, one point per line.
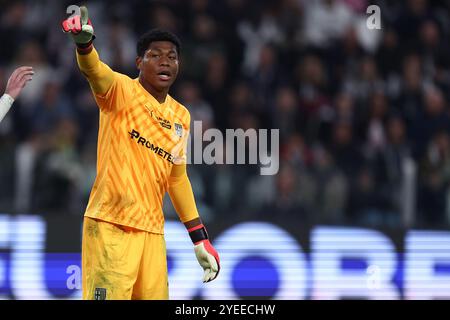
141	155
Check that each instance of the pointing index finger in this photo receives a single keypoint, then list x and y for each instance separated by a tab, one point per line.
84	15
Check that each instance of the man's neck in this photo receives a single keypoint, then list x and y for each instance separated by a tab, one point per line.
160	96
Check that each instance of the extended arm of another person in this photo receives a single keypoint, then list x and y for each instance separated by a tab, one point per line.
182	197
16	83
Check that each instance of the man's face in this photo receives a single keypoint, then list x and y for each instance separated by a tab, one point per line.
159	66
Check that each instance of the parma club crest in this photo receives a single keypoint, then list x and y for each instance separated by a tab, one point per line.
179	129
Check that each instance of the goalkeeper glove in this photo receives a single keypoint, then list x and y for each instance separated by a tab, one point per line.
80	27
206	255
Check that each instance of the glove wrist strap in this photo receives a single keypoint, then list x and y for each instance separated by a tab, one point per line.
84	48
198	233
84	45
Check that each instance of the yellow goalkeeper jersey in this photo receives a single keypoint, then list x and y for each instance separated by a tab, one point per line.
139	140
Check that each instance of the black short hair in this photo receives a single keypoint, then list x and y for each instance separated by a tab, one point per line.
156	35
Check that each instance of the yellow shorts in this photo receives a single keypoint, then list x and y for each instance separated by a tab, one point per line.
122	263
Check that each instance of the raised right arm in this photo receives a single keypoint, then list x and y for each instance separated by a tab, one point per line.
99	75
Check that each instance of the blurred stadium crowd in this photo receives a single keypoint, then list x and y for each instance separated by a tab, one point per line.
363	114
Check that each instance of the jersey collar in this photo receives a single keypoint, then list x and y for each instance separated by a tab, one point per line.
153	100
